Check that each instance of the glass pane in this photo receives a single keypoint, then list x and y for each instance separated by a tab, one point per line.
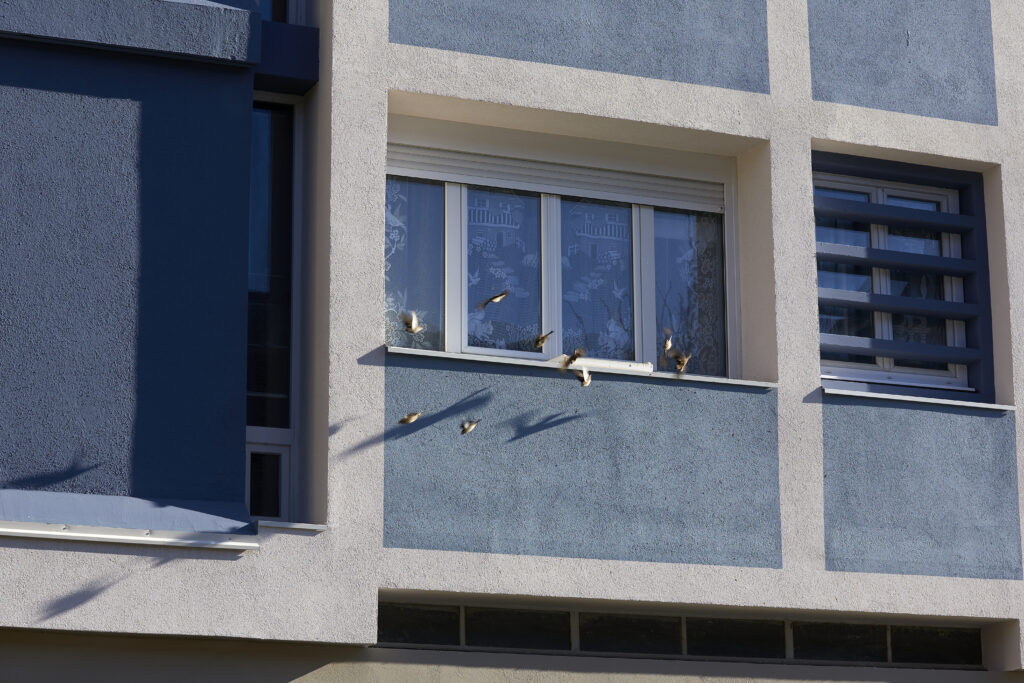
690	288
735	638
841	194
270	268
265	484
919	204
418	624
597	278
414	263
836	231
503	255
915	241
839	642
845	276
923	645
516	628
919	329
916	285
626	633
848	321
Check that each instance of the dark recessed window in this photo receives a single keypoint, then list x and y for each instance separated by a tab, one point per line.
274	10
736	638
418	624
265	484
839	642
922	645
627	633
519	629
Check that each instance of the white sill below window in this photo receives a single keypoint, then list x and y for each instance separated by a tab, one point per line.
77	532
598	365
829	391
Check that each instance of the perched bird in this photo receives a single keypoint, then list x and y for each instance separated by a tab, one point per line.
469	425
493	300
412	322
680	359
541	340
584	376
668	339
410	418
569	360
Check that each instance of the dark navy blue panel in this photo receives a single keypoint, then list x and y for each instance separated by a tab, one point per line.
926	57
124	219
625	469
709	42
201	29
290	58
124	512
920	489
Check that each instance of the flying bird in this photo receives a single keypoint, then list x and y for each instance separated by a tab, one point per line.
412	322
668	339
410	418
493	300
469	425
584	376
680	358
541	340
569	360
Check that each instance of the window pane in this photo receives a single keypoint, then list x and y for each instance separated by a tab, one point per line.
418	624
839	642
516	628
270	268
916	285
265	484
915	241
919	329
841	194
848	321
597	278
735	638
690	288
414	262
923	645
835	231
626	633
845	276
919	204
503	254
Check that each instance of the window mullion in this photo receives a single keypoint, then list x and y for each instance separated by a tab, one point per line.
644	285
551	271
638	327
455	267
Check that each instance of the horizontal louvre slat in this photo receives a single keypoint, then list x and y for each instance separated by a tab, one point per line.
883	258
893	216
896	304
554	178
865	346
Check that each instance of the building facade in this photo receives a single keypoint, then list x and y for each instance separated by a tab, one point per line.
424	339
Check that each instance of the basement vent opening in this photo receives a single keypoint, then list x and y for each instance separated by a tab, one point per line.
568	631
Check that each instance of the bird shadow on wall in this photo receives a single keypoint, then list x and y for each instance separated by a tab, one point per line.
462	408
44	480
525	424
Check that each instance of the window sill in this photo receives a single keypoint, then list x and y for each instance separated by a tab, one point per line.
273	524
595	365
917	399
74	532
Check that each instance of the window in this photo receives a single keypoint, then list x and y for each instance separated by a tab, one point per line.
270	371
531	260
903	303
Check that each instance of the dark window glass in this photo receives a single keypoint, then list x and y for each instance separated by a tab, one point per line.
418	624
735	638
845	642
520	629
274	10
921	645
265	484
270	268
626	633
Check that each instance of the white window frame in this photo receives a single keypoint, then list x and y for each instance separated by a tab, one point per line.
459	170
885	371
272	439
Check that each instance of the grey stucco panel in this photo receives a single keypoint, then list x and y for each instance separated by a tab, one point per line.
626	469
920	490
226	31
708	42
927	57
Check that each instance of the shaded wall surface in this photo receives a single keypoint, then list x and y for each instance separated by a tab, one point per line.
927	57
625	469
920	489
124	218
708	42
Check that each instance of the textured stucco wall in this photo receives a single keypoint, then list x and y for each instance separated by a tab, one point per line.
125	215
926	57
920	489
625	469
710	42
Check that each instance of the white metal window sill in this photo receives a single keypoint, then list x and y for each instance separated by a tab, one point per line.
291	526
917	399
74	532
597	365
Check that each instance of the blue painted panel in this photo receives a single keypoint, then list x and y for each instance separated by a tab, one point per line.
124	223
625	469
927	57
918	489
708	42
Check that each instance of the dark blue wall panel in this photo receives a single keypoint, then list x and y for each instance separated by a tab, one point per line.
625	469
123	225
918	489
926	57
708	42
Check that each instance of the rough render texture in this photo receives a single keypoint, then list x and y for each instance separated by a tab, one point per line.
711	42
925	57
920	490
625	469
